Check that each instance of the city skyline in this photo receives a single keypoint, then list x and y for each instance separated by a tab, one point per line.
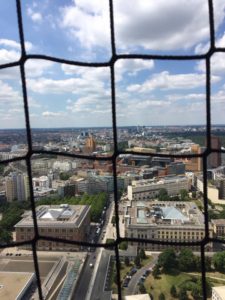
148	92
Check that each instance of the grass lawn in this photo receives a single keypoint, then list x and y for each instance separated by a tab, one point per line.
164	283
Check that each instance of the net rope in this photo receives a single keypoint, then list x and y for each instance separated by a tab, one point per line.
111	64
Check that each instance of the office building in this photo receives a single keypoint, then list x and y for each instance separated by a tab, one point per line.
71	222
172	221
148	189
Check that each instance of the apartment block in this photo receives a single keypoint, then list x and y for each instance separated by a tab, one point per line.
17	187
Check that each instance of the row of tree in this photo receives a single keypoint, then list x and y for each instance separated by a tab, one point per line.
11	212
170	262
97	203
185	261
183	196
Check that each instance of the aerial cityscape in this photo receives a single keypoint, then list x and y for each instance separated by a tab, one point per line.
112	150
160	199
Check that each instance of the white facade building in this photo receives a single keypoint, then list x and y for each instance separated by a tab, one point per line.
149	188
64	166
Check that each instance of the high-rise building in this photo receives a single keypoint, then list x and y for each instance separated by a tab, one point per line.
90	145
193	164
214	159
17	187
11	187
20	187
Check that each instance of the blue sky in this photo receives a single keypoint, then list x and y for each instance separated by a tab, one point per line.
147	92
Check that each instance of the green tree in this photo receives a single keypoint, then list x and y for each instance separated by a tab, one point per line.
196	292
126	261
5	236
142	254
193	194
184	195
156	271
173	291
123	245
219	261
167	260
137	261
198	263
162	296
163	195
183	294
64	176
186	260
142	288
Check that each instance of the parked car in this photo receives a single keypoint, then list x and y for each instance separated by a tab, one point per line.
133	271
126	282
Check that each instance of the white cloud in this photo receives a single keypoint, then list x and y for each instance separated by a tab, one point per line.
37	67
220	42
11	51
79	86
53	114
193	96
36	17
10	43
8	94
7	56
202	48
161	25
90	104
132	67
88	21
87	73
155	25
167	81
217	63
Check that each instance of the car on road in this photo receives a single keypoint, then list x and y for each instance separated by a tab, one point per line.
126	282
91	265
133	271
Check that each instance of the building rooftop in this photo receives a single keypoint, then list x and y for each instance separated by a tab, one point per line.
218	221
167	179
56	215
176	213
13	283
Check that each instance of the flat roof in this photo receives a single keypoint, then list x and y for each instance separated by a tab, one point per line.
220	290
159	213
13	283
138	297
56	215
